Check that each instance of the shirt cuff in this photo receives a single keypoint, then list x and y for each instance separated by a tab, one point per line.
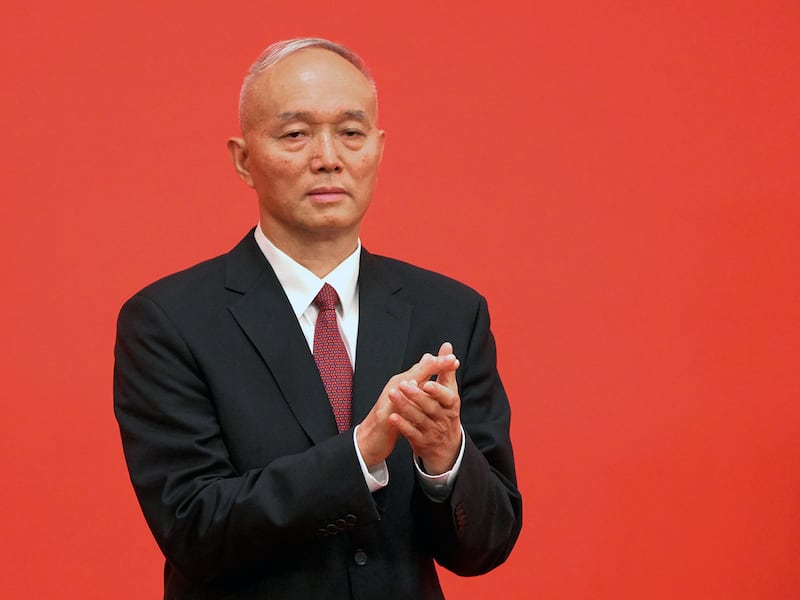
437	487
377	477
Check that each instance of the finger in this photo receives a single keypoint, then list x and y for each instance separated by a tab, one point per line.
440	393
427	366
447	377
430	365
405	405
406	429
427	403
446	363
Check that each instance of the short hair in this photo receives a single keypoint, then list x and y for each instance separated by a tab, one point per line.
276	52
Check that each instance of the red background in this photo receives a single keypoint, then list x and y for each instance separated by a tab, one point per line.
620	179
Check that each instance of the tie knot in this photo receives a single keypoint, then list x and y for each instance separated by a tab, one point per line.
327	298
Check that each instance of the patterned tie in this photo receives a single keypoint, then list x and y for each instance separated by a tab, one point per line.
331	357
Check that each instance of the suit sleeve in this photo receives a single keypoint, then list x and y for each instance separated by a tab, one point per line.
209	519
476	528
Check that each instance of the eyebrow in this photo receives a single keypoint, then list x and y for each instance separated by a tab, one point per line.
302	115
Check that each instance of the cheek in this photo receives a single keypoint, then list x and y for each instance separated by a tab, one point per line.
367	163
284	171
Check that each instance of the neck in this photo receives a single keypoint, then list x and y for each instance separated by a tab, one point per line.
319	254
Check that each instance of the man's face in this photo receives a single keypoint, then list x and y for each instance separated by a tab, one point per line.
311	147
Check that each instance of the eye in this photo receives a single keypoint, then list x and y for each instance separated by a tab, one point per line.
294	135
352	133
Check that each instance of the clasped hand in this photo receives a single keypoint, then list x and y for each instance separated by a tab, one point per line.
423	410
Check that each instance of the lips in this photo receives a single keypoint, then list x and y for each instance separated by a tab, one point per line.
327	193
328	190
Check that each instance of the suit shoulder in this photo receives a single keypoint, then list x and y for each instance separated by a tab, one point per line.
429	282
206	281
198	289
186	281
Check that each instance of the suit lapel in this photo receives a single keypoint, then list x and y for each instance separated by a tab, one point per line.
263	312
266	317
383	326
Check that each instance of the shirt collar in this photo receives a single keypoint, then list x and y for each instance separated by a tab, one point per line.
302	286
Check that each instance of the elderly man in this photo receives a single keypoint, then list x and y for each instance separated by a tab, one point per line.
294	417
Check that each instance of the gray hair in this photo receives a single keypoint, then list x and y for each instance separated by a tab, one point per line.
280	50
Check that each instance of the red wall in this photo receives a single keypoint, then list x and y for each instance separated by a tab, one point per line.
621	181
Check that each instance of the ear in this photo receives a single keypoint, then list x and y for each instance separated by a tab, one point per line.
381	141
237	148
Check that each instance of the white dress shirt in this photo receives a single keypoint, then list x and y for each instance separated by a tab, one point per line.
301	287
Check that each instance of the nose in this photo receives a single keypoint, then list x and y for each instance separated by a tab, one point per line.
326	157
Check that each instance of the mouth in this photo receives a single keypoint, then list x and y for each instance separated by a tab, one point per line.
327	193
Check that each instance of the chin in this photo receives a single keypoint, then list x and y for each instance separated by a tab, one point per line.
334	227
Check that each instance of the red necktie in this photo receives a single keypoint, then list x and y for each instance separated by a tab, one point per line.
331	357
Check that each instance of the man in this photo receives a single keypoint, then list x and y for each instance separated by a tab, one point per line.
237	381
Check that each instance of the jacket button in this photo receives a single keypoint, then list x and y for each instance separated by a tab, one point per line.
351	520
331	529
360	558
341	525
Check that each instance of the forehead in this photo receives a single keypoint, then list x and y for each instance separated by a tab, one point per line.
315	83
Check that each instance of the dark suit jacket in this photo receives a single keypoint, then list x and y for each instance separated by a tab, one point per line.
233	449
